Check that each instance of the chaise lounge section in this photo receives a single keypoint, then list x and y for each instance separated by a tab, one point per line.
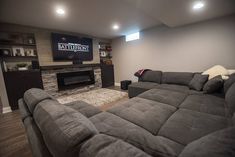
168	120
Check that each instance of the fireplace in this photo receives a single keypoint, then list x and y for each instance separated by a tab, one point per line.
69	80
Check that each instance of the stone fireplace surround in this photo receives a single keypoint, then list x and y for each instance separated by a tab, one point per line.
49	78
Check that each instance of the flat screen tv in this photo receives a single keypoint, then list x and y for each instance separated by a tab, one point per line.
71	48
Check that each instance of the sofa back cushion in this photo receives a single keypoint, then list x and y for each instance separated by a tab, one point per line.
229	82
230	98
217	144
63	128
180	78
151	76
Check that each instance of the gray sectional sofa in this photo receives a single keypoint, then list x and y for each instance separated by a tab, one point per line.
164	119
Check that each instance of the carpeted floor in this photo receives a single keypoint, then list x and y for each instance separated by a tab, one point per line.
97	97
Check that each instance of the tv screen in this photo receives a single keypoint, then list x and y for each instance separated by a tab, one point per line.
72	48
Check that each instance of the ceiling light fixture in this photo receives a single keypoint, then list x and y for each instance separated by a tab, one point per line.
198	5
60	11
115	27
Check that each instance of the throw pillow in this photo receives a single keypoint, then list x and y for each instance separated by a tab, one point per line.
215	71
213	85
198	82
229	82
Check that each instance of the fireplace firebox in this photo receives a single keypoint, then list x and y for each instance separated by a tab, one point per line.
76	79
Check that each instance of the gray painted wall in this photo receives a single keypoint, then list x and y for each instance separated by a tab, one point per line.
193	48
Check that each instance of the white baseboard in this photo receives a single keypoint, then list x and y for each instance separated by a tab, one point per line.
6	110
117	84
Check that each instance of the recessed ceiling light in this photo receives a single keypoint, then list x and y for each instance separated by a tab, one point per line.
198	5
115	26
60	11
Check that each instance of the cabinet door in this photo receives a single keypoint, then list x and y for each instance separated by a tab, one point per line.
107	75
18	82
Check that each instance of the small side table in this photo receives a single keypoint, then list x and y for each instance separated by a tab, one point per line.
125	84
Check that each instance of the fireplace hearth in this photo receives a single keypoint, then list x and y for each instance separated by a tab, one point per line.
70	80
73	79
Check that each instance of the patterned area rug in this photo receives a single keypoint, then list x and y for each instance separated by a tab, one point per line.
97	97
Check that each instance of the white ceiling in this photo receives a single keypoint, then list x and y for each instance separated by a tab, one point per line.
95	17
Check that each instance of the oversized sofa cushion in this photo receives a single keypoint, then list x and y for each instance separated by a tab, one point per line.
228	83
107	146
198	82
137	88
35	139
84	108
185	126
206	104
33	96
63	128
230	98
115	126
164	96
180	78
217	144
148	114
151	76
213	85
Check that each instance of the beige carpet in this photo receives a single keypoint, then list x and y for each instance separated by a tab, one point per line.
97	97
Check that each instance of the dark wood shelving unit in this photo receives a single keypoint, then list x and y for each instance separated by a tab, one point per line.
107	68
15	49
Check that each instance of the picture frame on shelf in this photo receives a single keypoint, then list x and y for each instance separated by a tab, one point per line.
18	51
103	54
5	52
30	52
31	40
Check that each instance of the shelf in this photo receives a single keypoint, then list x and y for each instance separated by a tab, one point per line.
22	71
16	44
19	58
104	57
105	50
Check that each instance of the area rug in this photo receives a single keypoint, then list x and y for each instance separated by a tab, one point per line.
97	97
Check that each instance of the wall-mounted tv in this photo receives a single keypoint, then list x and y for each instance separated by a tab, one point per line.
71	48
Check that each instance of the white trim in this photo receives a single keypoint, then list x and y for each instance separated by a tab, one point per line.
6	110
117	84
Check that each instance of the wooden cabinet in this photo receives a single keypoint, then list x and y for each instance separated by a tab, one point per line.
19	51
17	82
107	75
